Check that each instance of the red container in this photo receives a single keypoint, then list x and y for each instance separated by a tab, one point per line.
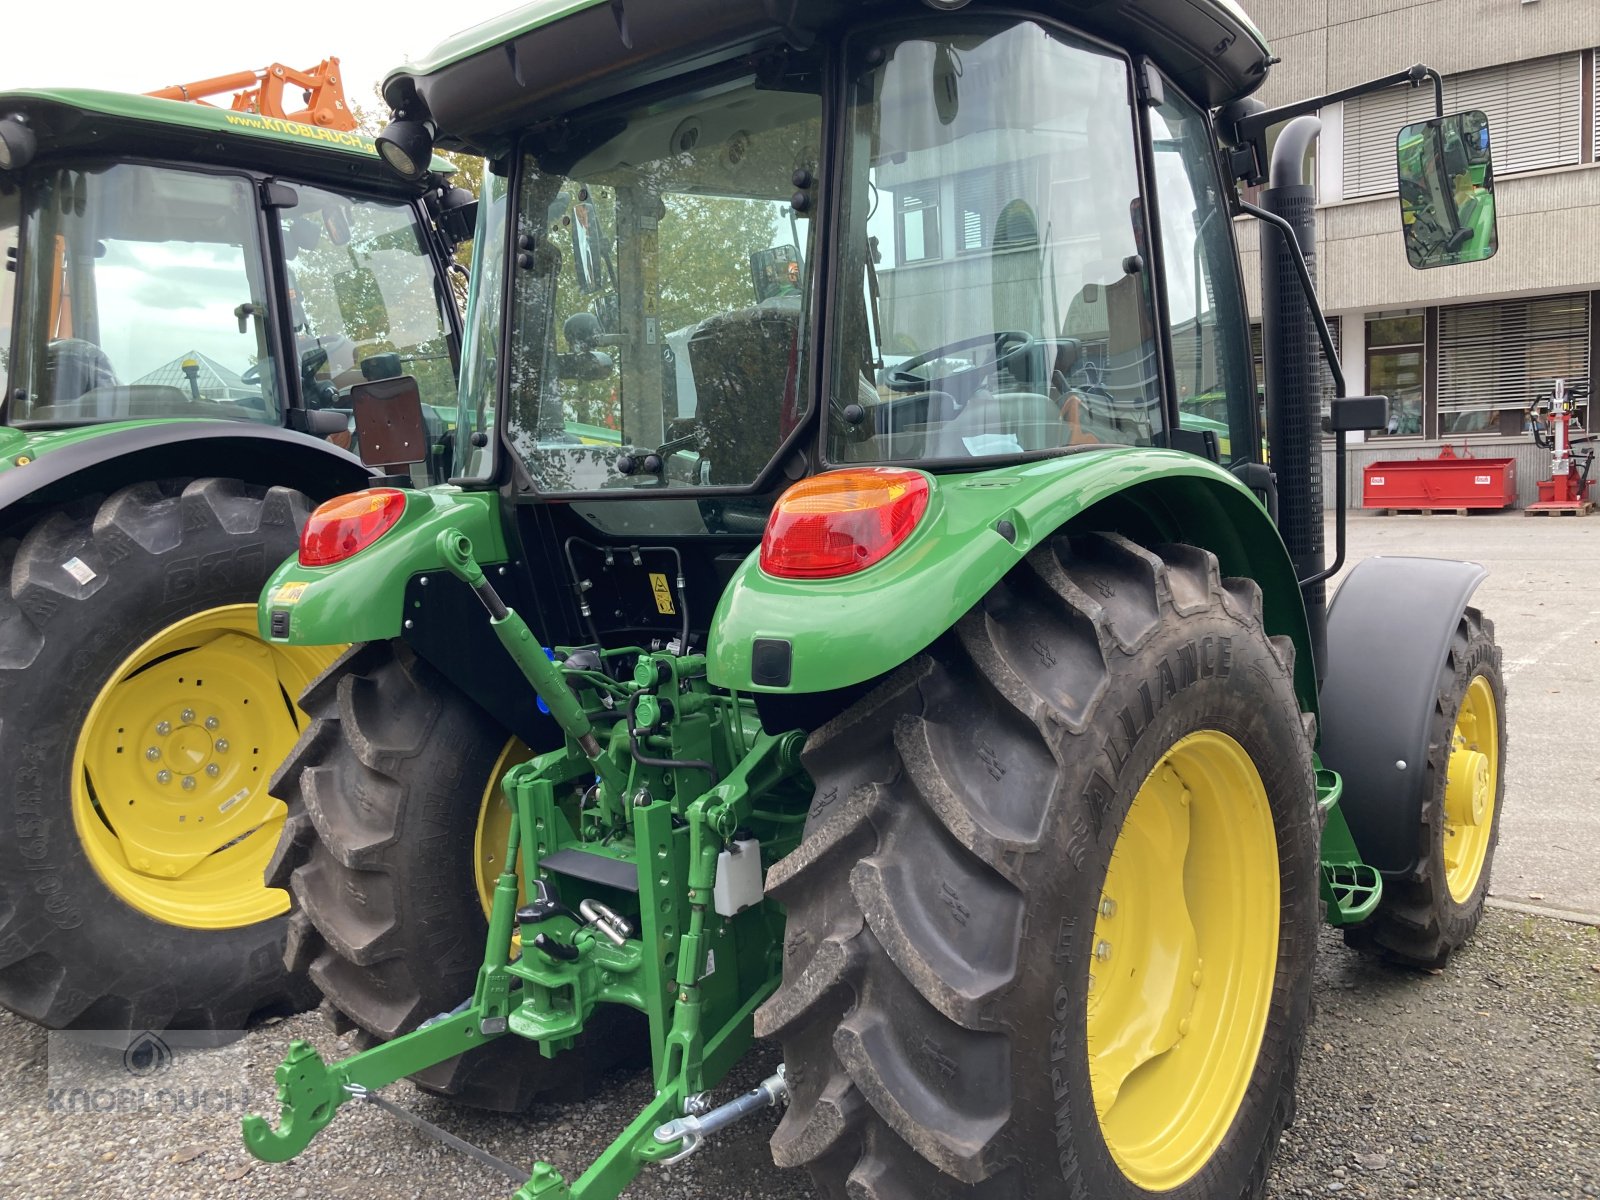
1440	483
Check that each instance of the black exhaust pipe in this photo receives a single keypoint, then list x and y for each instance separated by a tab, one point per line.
1293	355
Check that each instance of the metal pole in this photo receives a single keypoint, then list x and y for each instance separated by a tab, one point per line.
1293	379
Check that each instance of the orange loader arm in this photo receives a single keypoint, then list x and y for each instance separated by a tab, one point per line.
322	92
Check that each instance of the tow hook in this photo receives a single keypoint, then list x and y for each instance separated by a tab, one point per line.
692	1130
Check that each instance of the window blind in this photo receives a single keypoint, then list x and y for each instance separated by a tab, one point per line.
1533	109
1501	355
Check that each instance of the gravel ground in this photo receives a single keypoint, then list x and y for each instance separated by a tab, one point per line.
1480	1083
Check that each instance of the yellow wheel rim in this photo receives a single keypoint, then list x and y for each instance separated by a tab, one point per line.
494	823
170	771
1184	955
1471	778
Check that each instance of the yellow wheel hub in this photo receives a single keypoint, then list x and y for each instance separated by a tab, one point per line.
169	775
494	823
1469	793
1183	959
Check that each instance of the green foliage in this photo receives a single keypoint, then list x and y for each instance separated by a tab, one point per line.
703	253
706	243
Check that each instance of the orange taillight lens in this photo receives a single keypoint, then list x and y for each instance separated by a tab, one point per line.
348	524
842	522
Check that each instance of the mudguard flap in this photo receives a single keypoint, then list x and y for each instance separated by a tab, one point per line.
1389	631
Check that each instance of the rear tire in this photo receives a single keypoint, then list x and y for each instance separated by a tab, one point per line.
116	615
385	791
935	1011
1430	912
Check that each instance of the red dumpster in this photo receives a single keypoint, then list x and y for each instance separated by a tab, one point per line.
1447	482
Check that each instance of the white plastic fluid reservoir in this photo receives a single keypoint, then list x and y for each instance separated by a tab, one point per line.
738	883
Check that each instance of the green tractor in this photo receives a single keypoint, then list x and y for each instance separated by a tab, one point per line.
193	301
908	683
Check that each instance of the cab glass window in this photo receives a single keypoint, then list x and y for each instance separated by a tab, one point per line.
364	300
10	214
1209	352
1006	307
660	291
144	297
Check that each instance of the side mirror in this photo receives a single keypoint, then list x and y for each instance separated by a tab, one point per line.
775	272
457	212
1352	413
381	366
1447	190
588	245
389	425
324	422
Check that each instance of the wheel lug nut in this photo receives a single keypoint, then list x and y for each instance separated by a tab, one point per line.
152	753
1108	906
212	722
188	783
1103	951
213	770
187	714
222	745
163	776
163	727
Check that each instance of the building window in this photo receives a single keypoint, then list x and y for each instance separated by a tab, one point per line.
916	223
1494	359
1534	111
981	197
1395	357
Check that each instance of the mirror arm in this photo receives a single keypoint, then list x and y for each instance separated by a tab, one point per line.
1297	256
1245	128
1325	336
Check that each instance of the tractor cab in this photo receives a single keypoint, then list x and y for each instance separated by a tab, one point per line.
257	288
992	291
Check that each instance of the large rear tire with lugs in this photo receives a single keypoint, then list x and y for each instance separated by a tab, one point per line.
392	792
1430	911
1052	924
140	719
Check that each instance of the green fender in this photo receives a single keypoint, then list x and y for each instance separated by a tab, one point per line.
361	599
42	469
846	631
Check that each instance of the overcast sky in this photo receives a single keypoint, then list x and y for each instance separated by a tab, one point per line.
140	45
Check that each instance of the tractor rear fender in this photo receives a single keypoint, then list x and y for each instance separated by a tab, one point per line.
62	465
787	636
1389	631
363	597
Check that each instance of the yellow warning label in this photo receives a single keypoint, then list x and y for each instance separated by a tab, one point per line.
658	584
288	593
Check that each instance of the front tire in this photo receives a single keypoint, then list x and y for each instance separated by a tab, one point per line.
140	719
1429	912
1018	960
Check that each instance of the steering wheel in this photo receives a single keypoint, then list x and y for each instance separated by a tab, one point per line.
904	379
252	373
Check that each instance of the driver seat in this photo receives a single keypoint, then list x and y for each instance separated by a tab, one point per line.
744	366
75	366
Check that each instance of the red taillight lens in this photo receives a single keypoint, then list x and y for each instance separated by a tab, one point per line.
842	522
346	524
